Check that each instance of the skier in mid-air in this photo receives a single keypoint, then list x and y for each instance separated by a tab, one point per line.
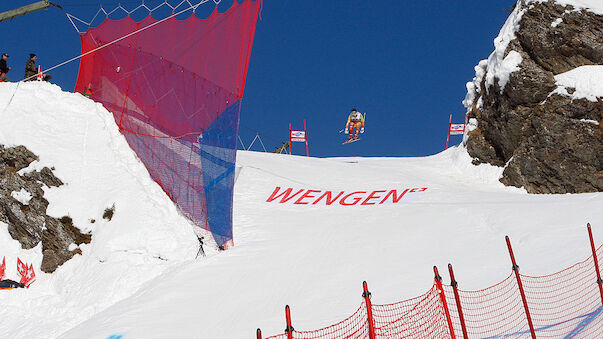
354	126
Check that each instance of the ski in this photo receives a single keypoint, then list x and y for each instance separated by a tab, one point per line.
350	141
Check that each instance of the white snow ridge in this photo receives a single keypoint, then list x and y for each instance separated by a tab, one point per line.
139	277
586	80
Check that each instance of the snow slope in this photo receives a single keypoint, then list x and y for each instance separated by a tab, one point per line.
138	277
146	236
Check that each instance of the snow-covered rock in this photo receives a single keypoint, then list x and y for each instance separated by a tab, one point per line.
530	96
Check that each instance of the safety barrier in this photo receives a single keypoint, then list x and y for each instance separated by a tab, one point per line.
565	304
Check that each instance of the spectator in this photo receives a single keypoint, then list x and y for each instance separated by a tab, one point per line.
4	68
31	71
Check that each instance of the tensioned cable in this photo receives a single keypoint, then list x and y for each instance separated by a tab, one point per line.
118	39
193	7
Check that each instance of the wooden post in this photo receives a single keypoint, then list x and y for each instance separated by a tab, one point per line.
438	282
596	260
523	295
454	284
369	309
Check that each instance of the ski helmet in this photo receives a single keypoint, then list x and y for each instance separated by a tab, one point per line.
354	110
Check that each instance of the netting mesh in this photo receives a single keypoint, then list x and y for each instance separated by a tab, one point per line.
490	312
421	317
175	90
566	304
354	327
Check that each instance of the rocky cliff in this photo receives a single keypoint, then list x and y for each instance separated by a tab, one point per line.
535	107
23	208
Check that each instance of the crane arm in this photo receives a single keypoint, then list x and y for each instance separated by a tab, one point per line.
36	6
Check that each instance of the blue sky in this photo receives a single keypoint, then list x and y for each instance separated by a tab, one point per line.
404	63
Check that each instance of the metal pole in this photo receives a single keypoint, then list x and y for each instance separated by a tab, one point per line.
596	260
289	329
306	136
369	309
523	295
290	140
241	141
252	142
454	284
438	282
262	143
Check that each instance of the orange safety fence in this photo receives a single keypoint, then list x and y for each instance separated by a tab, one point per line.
566	304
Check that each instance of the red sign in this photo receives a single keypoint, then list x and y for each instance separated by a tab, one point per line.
304	196
2	268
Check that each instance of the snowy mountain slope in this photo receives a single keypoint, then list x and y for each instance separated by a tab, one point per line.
314	257
138	278
146	236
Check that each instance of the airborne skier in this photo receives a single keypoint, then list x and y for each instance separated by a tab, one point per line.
354	126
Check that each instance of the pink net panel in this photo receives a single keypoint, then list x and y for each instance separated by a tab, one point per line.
175	90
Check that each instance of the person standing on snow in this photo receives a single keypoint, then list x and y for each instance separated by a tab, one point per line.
4	68
355	122
31	71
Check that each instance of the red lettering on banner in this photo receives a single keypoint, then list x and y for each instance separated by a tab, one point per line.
314	197
306	195
372	196
328	195
356	200
394	194
286	193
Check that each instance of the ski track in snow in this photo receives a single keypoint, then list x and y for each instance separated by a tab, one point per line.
138	278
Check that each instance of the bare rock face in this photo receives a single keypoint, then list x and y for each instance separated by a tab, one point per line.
548	142
27	221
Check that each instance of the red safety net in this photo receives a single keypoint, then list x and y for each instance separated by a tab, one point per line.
354	327
489	312
565	304
420	317
175	88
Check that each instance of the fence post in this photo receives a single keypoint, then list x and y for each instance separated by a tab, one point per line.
438	282
289	329
454	284
369	309
596	260
523	295
259	334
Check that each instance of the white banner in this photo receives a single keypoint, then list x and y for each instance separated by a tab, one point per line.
457	129
299	136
